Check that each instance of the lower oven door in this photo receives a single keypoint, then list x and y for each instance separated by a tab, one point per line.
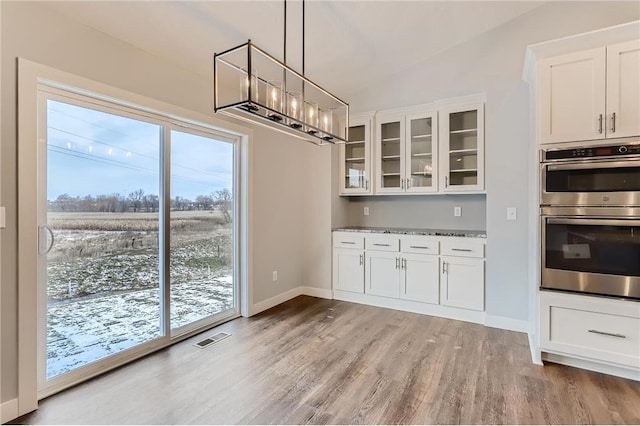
591	255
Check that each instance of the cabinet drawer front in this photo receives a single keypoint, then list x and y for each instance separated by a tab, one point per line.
420	245
604	336
348	240
462	248
382	243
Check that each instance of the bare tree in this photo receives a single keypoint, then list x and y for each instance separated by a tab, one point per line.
136	198
224	201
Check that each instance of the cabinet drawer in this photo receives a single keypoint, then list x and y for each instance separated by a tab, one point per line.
419	245
603	336
382	243
348	240
462	248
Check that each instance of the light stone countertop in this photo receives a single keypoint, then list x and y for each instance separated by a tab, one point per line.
415	231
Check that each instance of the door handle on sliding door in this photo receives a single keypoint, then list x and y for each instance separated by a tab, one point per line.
43	247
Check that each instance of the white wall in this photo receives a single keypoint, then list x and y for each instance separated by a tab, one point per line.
290	196
492	64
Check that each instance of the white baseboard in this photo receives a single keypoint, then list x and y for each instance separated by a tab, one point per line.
8	410
536	357
322	293
506	323
274	301
410	306
627	373
288	295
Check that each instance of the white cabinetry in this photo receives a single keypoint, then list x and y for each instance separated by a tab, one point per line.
591	94
348	262
406	152
404	272
592	328
462	274
462	142
355	157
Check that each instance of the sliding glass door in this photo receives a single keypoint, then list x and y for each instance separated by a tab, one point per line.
136	235
202	224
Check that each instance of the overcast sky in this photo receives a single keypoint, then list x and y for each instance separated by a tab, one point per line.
95	153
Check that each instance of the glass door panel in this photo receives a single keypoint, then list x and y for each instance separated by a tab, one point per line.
202	237
101	233
390	157
463	148
355	158
421	155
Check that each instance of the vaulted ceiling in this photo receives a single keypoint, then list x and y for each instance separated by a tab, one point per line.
348	44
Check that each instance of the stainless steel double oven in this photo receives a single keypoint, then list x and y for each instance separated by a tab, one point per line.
590	214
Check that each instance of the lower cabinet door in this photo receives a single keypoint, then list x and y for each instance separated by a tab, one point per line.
348	270
382	273
420	278
462	282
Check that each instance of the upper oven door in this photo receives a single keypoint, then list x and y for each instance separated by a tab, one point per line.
593	255
591	183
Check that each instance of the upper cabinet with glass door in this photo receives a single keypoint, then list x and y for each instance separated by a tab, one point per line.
389	153
462	142
355	157
406	152
421	152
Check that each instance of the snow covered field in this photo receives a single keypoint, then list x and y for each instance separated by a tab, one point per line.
103	291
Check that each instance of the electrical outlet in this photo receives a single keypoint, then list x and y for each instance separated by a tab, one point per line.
366	211
512	213
275	275
457	211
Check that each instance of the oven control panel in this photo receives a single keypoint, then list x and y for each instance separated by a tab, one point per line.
592	152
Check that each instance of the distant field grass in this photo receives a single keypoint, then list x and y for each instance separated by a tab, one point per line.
130	221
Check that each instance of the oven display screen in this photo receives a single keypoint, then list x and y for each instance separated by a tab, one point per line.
604	151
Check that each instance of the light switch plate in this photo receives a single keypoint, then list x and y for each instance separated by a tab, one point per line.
3	218
366	211
457	211
512	213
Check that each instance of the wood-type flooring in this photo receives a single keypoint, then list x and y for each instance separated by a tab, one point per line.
322	361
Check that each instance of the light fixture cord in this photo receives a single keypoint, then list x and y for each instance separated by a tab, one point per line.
284	38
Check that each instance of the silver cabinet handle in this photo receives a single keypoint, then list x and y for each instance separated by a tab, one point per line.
408	183
613	122
446	181
366	184
465	250
403	265
401	183
381	245
347	242
397	263
622	336
600	124
444	267
420	247
361	259
43	248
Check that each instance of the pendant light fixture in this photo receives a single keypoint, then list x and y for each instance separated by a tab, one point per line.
254	86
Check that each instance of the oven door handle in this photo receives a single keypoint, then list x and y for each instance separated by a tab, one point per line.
593	165
603	222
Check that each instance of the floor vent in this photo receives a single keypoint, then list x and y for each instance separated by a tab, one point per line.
211	340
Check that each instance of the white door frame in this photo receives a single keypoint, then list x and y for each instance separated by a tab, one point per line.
30	76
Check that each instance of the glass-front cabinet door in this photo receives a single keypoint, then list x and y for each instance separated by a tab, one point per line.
463	148
390	173
421	153
355	157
